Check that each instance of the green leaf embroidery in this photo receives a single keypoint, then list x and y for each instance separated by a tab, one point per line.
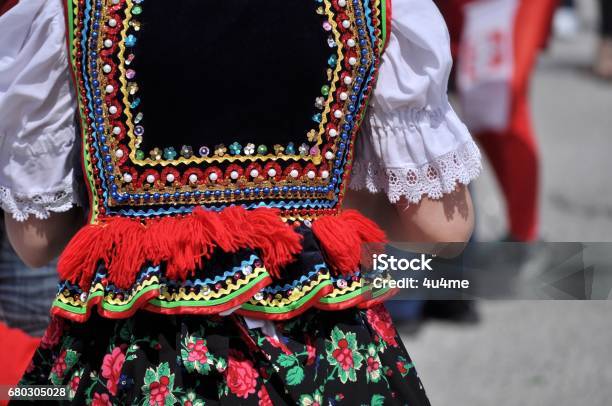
377	400
295	376
163	369
150	376
337	334
71	358
125	332
170	400
286	360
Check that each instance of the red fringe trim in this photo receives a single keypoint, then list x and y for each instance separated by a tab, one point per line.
343	237
126	245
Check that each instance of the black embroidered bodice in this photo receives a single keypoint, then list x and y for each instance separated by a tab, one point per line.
200	103
217	143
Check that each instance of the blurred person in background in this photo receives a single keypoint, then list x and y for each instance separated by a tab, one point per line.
566	23
495	44
603	64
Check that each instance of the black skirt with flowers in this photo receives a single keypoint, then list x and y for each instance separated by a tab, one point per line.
350	357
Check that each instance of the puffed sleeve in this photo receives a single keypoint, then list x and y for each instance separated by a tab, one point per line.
412	143
37	106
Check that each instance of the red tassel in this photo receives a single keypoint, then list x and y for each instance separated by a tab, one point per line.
277	241
196	238
159	247
373	239
126	245
128	251
368	231
263	230
219	232
79	261
342	238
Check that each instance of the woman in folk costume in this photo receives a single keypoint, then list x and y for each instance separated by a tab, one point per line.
216	142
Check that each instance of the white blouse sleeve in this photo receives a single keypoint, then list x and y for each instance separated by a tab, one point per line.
412	143
37	106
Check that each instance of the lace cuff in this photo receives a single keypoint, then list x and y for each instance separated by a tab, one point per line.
40	205
412	153
433	179
36	173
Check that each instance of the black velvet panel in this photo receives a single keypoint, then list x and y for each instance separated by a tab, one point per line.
231	70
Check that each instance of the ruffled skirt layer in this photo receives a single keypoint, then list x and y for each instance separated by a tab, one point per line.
226	282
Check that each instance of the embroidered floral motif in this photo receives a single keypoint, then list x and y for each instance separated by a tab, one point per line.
63	363
374	366
320	358
53	334
316	399
101	399
381	322
192	399
195	356
342	352
158	386
111	369
403	366
241	376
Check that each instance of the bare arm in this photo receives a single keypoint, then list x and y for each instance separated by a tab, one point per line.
447	220
39	241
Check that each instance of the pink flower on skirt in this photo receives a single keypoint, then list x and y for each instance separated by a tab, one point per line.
111	369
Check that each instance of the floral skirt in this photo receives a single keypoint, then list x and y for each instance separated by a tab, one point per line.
349	357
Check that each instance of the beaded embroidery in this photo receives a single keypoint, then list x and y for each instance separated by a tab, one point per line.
304	178
195	229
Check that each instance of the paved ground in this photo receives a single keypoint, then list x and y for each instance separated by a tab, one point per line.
540	353
522	353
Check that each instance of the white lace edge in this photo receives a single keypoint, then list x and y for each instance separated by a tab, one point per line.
433	179
40	205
